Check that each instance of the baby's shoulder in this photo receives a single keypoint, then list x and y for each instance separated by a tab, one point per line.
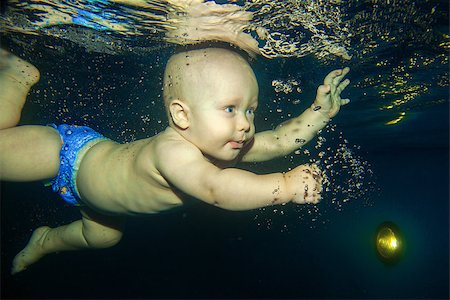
170	141
170	144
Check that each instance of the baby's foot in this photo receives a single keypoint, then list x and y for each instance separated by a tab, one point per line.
32	252
14	70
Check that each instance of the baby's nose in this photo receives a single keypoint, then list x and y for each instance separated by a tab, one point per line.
243	123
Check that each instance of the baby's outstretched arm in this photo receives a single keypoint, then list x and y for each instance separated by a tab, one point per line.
296	132
186	169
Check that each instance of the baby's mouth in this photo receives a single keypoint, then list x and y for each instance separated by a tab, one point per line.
237	144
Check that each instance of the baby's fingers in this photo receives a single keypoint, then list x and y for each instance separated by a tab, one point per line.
334	77
330	77
339	78
342	85
315	199
345	101
314	196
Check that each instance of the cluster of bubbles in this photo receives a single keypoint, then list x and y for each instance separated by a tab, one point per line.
286	86
347	175
348	183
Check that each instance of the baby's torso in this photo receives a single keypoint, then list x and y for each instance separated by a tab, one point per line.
122	178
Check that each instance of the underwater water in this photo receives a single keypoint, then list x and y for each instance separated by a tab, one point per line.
386	157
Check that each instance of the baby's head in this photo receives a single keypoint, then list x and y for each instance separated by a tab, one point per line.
210	95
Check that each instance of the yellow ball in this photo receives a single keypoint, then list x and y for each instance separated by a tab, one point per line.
389	242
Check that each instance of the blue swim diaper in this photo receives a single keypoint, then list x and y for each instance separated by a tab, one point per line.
75	139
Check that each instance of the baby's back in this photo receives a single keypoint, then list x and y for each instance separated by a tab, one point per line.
122	178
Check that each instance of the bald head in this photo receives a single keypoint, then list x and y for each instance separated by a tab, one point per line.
198	75
210	95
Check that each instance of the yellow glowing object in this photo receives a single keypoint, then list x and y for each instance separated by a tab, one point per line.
395	121
388	242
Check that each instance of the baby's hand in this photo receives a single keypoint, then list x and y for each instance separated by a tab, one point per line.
328	100
305	183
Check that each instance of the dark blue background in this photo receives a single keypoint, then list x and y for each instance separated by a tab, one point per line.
200	251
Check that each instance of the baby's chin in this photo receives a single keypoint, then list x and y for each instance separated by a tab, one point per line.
223	161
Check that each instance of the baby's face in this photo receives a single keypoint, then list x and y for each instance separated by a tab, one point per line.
222	114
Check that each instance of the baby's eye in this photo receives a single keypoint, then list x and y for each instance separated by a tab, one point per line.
250	111
229	109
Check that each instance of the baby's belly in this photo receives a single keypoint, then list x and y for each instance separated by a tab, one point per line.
126	197
112	185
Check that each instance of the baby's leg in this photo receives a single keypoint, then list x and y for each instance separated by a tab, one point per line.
16	77
92	231
26	152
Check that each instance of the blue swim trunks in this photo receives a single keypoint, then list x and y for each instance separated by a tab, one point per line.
75	139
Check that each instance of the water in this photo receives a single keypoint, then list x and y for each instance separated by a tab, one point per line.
386	156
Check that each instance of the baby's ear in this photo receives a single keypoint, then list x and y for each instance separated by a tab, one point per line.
179	112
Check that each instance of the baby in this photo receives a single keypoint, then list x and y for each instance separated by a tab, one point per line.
211	96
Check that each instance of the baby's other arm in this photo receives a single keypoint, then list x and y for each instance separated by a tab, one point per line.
298	131
185	168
